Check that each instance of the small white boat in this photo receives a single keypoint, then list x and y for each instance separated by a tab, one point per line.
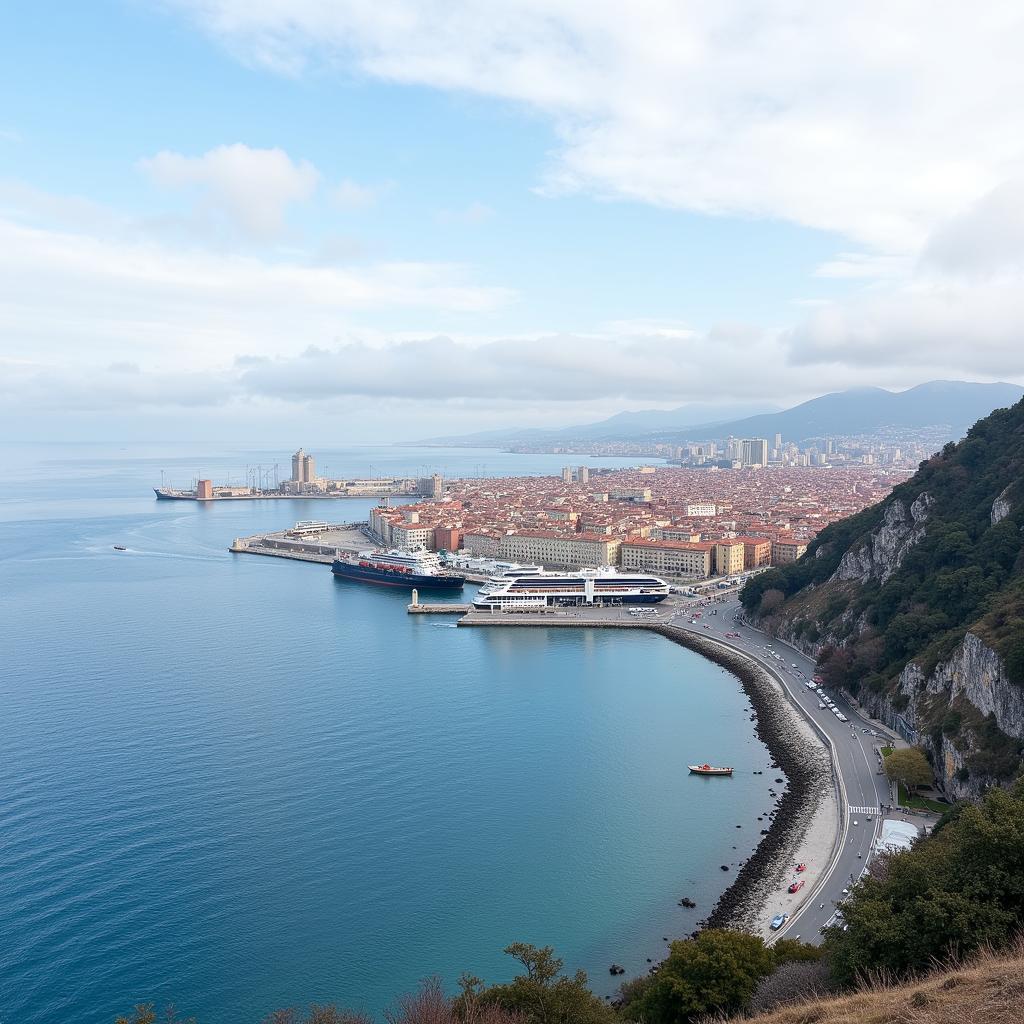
708	769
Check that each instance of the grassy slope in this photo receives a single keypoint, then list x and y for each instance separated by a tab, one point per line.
987	990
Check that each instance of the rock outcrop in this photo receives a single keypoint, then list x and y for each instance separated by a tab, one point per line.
972	684
1001	506
883	553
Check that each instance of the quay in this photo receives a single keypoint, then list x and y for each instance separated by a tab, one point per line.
438	609
311	541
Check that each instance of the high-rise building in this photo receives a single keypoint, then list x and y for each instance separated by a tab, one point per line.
567	474
303	468
778	440
754	451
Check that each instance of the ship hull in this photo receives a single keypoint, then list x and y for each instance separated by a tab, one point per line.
406	580
166	495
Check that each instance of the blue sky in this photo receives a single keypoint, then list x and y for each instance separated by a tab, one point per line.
468	216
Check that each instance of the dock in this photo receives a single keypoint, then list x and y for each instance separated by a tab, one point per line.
307	542
438	609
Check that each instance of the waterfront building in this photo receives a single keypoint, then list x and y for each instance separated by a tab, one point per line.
757	551
303	468
481	543
546	547
204	489
447	538
728	556
671	557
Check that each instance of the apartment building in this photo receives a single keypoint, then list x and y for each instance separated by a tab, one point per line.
728	556
757	551
546	547
668	557
784	551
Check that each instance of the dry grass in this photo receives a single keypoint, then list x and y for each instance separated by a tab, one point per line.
987	989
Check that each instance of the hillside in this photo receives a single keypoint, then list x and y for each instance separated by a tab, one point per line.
950	406
916	605
988	988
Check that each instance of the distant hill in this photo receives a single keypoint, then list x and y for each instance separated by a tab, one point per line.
950	405
623	425
916	605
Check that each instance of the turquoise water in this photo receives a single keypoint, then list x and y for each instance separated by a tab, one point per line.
238	783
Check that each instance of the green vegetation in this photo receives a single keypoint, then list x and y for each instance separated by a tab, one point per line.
909	767
960	889
966	573
543	994
919	803
715	973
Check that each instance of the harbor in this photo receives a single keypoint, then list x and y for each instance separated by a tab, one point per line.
307	541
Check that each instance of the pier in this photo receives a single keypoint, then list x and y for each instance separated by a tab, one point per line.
307	542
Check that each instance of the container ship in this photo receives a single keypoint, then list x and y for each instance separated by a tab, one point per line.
537	589
420	569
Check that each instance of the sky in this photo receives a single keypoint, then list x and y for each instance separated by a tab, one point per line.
321	221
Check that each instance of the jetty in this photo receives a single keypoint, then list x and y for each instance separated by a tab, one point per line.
308	541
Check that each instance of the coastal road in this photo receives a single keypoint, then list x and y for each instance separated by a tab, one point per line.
854	744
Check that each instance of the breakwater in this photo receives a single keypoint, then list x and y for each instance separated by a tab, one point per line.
804	762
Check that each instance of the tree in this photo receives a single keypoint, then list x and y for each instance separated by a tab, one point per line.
771	601
715	973
957	890
543	995
909	767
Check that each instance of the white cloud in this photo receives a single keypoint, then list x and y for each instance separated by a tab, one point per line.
81	296
872	119
253	188
985	239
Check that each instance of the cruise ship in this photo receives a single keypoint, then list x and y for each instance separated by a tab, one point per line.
538	589
396	568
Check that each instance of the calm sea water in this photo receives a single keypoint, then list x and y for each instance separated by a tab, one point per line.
237	783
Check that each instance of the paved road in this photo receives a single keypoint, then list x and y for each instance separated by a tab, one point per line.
854	743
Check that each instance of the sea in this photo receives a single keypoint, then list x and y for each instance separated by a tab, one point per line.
235	783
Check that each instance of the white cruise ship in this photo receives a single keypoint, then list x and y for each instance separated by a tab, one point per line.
585	587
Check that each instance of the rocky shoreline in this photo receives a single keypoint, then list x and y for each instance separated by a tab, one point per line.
802	759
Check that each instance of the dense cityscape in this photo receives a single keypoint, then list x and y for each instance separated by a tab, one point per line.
682	522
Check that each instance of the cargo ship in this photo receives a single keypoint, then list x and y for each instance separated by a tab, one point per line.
420	569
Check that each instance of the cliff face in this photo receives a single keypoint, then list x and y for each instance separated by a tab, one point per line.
971	685
886	547
916	606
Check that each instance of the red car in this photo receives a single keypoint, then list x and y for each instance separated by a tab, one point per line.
797	886
801	867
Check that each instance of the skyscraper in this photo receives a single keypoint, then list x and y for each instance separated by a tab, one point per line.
754	451
303	468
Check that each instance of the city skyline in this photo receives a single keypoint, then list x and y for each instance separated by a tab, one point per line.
228	222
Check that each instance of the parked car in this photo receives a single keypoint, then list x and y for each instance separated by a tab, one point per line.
797	885
778	921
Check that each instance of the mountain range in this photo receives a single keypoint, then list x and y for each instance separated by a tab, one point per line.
950	405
